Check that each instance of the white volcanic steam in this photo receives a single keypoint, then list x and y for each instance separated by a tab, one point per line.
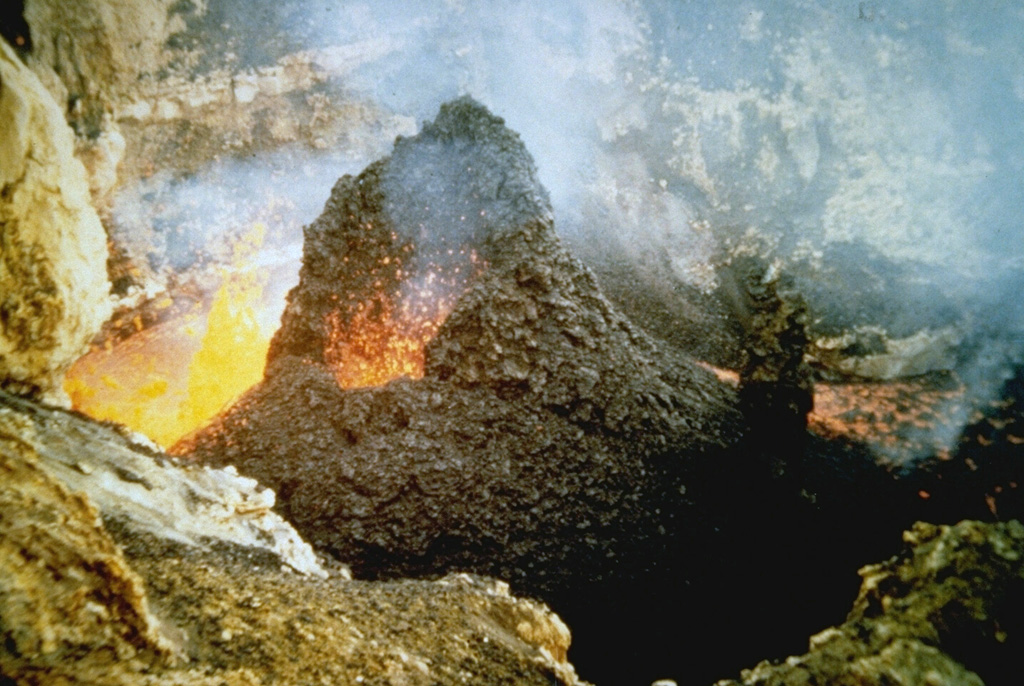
662	129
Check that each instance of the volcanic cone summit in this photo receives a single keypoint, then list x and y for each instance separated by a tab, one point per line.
548	439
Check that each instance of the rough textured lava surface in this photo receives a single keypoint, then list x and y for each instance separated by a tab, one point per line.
548	440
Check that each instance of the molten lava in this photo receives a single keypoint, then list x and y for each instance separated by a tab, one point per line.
139	382
900	419
168	379
384	338
231	357
167	376
373	350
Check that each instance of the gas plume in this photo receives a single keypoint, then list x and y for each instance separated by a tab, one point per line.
667	130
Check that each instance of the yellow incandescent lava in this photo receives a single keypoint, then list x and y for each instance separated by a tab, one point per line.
168	380
373	351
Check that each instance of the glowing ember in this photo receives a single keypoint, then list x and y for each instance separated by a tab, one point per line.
167	380
728	376
373	350
383	338
898	418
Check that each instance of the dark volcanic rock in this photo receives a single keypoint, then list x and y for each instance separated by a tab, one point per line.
396	245
982	476
549	441
777	389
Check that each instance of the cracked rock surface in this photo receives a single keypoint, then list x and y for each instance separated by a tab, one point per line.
96	592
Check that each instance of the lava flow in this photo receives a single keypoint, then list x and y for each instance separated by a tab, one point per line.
168	376
902	419
171	377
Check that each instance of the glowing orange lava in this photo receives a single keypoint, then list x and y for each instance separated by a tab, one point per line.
374	349
140	382
169	379
166	379
385	337
901	417
728	376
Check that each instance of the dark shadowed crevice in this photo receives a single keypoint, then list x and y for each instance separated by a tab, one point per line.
13	26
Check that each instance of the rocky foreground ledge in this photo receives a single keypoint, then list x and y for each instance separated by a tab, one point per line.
102	590
186	577
947	611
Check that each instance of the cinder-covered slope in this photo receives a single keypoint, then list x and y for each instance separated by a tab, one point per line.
549	440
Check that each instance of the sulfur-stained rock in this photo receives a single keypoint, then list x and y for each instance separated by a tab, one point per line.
947	611
147	493
54	291
95	55
66	589
103	595
154	91
92	54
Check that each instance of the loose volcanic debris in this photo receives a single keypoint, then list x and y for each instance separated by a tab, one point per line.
549	440
93	593
191	504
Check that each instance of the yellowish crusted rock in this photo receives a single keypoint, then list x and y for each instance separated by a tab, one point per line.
54	291
80	597
72	606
